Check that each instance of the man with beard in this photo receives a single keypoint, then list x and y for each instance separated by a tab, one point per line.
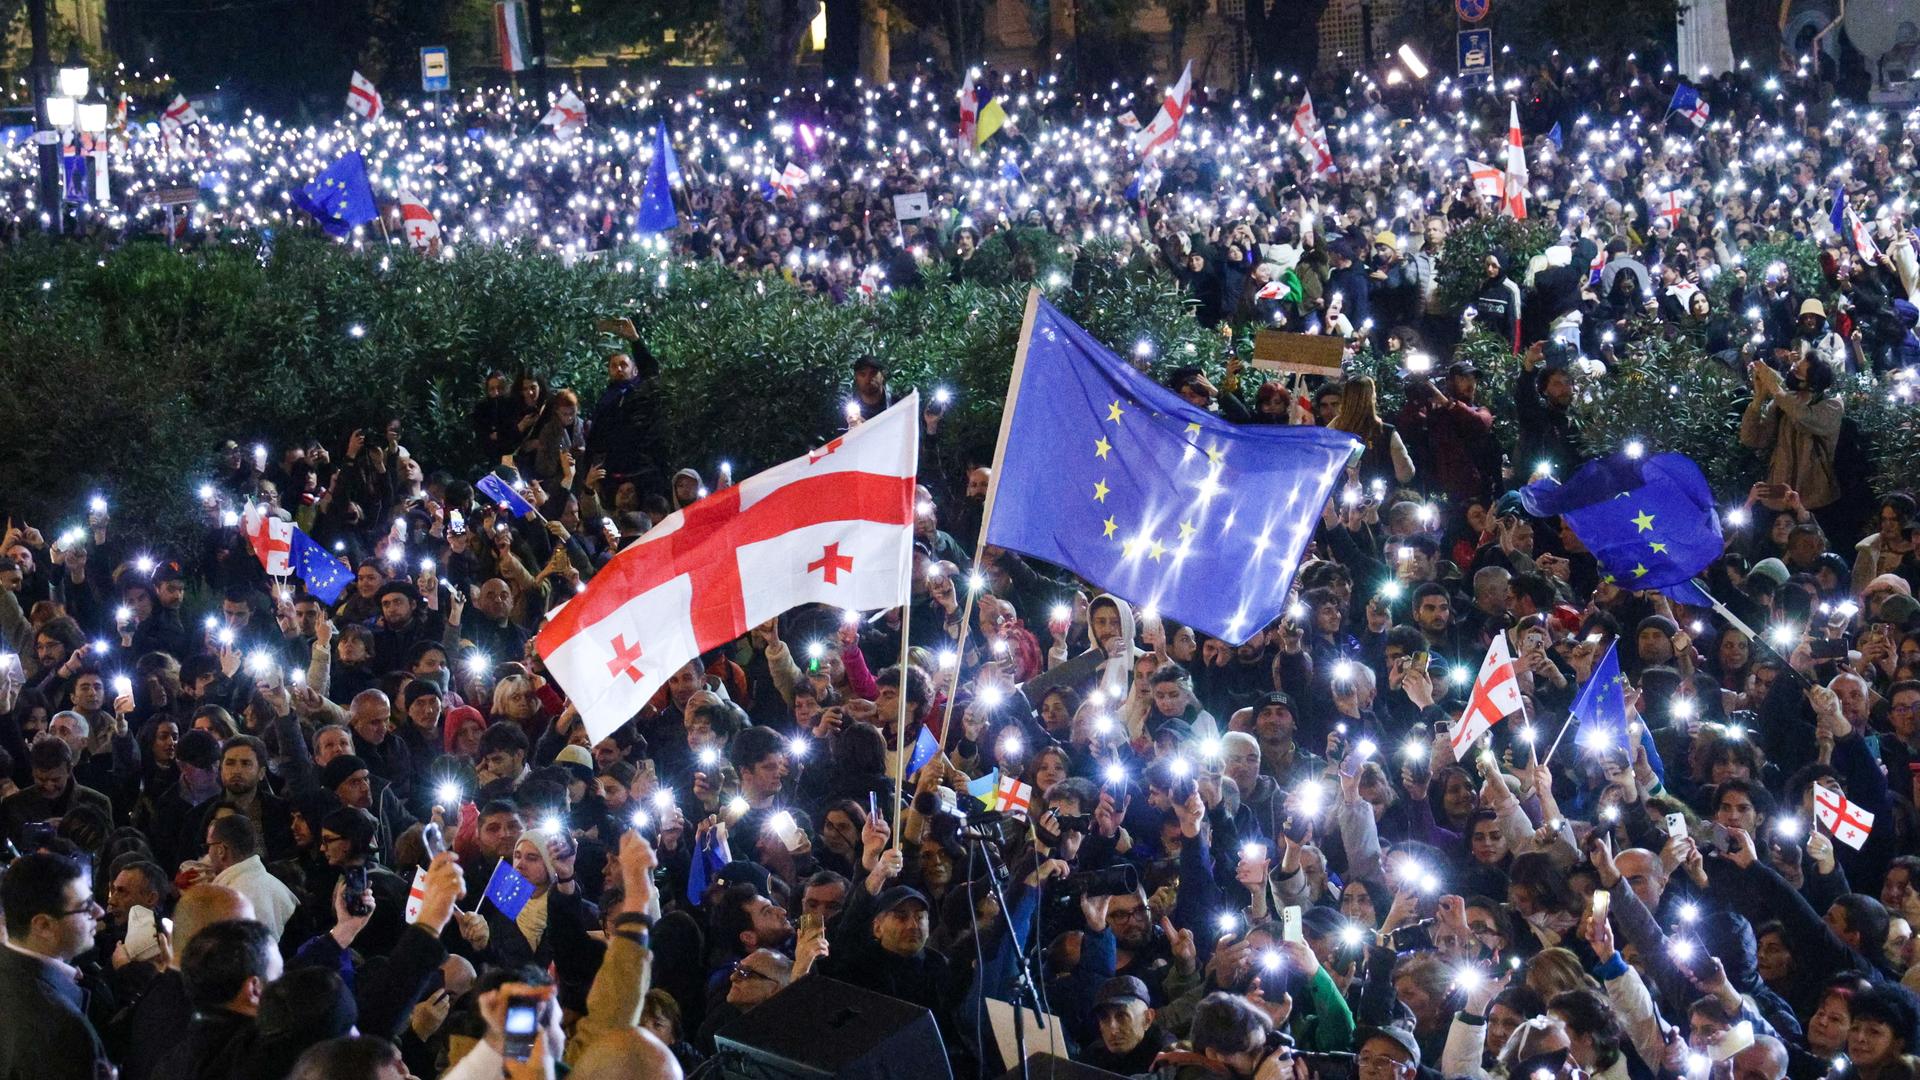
243	786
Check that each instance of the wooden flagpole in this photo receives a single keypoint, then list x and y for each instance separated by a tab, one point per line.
986	513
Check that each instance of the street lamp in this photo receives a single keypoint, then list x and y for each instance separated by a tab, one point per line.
74	75
91	114
60	110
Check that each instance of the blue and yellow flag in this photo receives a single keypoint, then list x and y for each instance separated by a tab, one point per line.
340	198
1650	522
992	118
1115	477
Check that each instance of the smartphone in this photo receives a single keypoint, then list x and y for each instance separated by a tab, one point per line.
1719	839
1735	1039
523	1023
456	522
1828	648
873	807
1773	491
356	884
1290	924
1602	903
1676	826
434	839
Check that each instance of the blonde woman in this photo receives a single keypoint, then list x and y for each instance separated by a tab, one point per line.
1383	455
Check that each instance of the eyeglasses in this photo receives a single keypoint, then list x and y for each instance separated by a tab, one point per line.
1377	1063
742	972
89	908
1128	915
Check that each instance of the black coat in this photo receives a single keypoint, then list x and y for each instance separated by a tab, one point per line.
217	1046
45	1035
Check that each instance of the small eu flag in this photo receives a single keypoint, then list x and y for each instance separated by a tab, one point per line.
1602	704
1555	137
709	859
503	495
924	748
1120	480
1650	522
508	890
324	575
656	198
340	198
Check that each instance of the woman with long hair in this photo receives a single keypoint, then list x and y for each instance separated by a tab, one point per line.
1383	456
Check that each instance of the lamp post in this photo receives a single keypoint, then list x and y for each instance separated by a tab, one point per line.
45	135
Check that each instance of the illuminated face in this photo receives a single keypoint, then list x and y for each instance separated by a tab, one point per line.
1434	614
330	744
1775	960
499	833
1827	1029
1103	622
1736	812
1170	698
1489	843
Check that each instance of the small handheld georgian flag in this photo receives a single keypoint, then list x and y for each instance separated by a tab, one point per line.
787	182
1011	797
1312	137
363	98
272	539
1688	103
1488	182
417	896
1496	696
1845	820
568	115
1166	123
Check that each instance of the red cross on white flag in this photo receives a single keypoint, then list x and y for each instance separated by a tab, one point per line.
1012	797
363	98
1845	820
1496	696
1313	137
417	222
1667	205
789	180
417	896
1488	182
272	539
1166	122
569	114
831	527
178	114
1516	203
969	110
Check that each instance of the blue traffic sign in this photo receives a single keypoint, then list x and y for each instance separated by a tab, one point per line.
1476	52
435	72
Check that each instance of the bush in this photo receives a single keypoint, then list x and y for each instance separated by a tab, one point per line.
125	372
1463	260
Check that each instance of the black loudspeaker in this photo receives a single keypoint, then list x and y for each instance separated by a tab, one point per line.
820	1028
1049	1067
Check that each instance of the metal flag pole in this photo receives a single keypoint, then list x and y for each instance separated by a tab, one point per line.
901	750
986	513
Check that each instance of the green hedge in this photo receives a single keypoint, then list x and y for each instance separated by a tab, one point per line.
124	371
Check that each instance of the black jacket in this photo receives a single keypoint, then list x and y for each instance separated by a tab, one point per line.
216	1047
45	1035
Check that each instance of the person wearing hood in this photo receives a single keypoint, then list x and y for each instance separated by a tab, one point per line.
621	430
1904	354
1496	303
1110	652
1556	306
686	488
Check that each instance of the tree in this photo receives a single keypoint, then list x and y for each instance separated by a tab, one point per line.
1181	15
594	27
767	33
961	23
1287	38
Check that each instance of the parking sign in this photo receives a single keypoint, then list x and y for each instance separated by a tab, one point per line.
434	76
1476	52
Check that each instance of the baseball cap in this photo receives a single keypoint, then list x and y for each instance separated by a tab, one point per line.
1279	698
899	894
1462	367
868	361
1399	1036
1121	989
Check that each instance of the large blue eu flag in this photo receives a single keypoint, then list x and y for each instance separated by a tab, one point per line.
1111	475
656	197
1650	522
340	197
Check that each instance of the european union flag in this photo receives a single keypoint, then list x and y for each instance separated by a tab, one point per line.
508	890
1650	522
656	198
340	198
1010	170
1837	213
709	859
503	495
1602	704
1555	137
1113	476
923	750
324	575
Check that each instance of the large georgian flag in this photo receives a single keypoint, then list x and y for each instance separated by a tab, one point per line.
834	526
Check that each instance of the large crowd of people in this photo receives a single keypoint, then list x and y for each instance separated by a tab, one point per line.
255	834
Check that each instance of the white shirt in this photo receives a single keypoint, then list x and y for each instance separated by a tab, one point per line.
273	902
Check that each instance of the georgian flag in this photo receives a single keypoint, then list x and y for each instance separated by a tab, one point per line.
1667	206
568	115
178	114
1488	181
834	527
969	110
1166	122
1516	199
1013	798
363	98
1313	137
271	537
417	895
1845	820
789	180
417	222
1128	121
1496	696
1688	103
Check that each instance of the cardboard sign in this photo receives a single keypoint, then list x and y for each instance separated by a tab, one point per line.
910	207
1308	354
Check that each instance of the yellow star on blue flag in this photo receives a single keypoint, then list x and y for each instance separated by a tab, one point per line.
1651	521
1233	506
